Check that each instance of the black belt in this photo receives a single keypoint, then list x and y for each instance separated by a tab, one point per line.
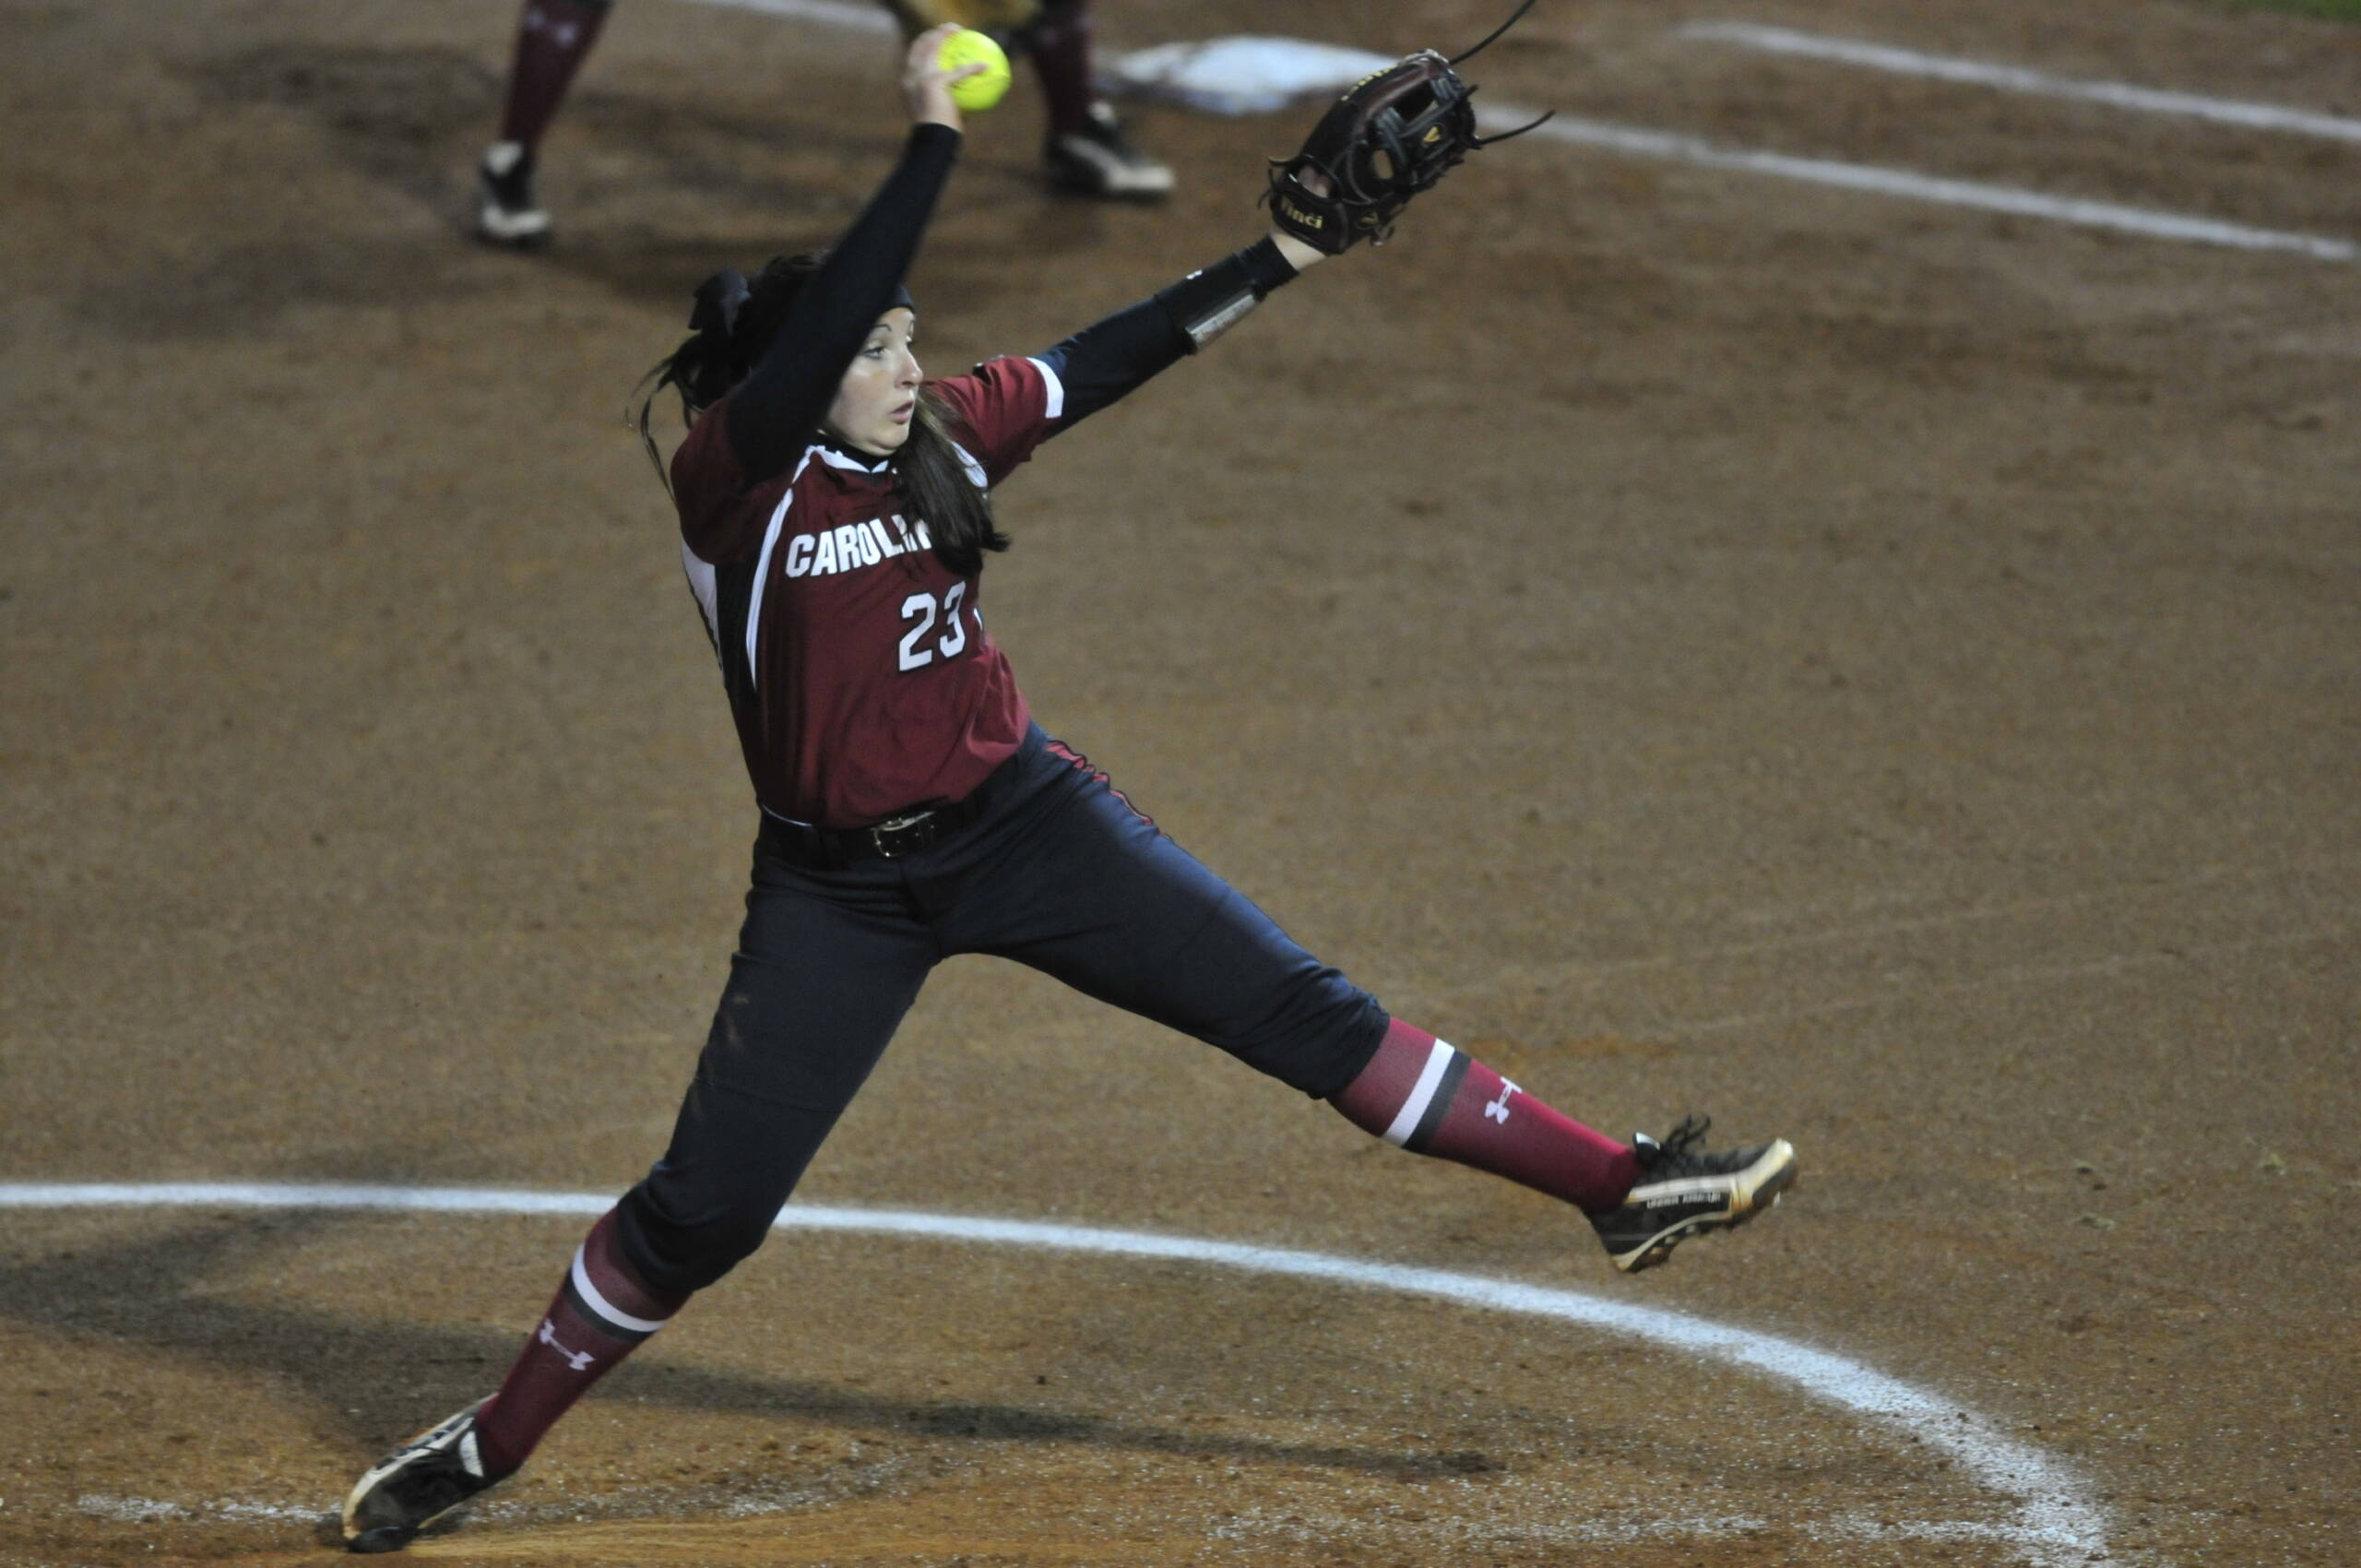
819	848
906	833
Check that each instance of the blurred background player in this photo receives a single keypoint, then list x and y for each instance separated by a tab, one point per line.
1084	147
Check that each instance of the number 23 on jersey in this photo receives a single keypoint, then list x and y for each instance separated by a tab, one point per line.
920	645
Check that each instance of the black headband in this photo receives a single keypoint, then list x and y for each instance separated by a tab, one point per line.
723	295
720	298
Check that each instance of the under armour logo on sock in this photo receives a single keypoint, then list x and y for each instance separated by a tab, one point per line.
579	1360
1498	1110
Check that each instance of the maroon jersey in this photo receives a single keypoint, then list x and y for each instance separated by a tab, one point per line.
857	664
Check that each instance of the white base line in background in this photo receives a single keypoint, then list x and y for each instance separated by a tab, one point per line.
2016	79
2058	1525
1924	187
832	13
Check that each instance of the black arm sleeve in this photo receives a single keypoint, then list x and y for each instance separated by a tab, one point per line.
1108	359
783	399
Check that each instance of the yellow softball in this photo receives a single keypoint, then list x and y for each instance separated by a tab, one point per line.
969	47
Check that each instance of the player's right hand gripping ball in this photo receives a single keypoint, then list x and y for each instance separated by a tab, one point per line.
969	47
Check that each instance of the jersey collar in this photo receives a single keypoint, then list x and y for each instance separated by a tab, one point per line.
837	457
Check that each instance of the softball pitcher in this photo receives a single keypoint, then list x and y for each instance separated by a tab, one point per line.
835	511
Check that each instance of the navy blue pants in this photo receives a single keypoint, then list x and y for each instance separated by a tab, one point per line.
1060	873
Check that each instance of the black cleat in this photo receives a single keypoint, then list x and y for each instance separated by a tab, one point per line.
1682	1191
1099	160
507	213
416	1484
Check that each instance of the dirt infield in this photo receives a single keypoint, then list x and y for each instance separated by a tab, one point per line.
1886	674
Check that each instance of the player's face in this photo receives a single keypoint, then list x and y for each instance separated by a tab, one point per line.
879	394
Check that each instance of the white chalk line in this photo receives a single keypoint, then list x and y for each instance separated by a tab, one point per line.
1678	149
1860	177
828	12
2057	1523
2018	78
152	1510
1851	1527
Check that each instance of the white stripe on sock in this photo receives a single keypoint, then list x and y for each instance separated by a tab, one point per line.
604	1308
1406	1121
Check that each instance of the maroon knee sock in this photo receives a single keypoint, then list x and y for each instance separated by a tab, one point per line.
551	41
1061	56
1419	1092
600	1315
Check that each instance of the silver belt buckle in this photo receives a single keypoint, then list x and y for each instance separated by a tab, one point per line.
895	825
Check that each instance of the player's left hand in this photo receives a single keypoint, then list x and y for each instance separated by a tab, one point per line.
1391	136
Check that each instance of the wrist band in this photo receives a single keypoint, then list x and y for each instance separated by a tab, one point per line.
1207	303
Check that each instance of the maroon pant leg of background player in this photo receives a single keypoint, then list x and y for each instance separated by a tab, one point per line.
1062	42
553	37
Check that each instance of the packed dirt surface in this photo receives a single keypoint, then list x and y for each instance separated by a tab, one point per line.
1883	674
